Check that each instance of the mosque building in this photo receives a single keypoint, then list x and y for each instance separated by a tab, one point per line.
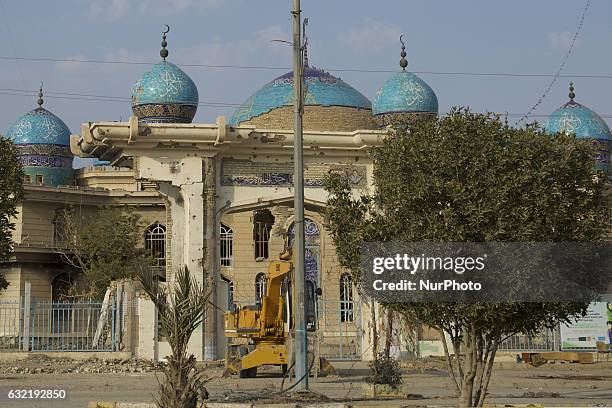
218	197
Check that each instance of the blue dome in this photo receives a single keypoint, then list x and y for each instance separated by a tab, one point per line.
39	126
165	94
322	89
405	92
43	144
577	119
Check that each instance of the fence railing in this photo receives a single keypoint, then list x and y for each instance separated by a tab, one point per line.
521	342
10	325
72	326
30	325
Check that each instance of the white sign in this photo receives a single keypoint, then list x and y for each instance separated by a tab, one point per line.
587	330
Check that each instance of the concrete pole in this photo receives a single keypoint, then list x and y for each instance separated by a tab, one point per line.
300	343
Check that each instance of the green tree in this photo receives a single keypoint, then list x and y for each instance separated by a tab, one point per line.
101	247
11	192
468	177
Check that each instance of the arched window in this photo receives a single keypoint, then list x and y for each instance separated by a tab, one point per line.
226	245
260	286
263	220
346	298
60	231
155	242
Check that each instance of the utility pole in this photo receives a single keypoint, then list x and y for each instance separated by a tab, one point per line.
300	350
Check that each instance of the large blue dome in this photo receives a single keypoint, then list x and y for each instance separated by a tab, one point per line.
165	94
575	118
43	143
405	92
39	126
322	89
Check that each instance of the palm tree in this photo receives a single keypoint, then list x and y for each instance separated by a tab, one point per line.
179	316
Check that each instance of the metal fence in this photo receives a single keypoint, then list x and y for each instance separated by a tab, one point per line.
340	332
58	326
72	326
521	342
10	325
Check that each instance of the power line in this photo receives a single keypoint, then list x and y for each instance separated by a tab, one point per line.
280	68
558	74
212	104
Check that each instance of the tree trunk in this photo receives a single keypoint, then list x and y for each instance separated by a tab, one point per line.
388	338
471	367
488	367
449	361
374	331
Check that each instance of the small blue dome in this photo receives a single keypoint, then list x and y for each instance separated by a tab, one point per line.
165	94
577	119
39	126
322	89
43	144
405	92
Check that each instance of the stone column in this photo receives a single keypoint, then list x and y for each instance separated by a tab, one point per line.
185	195
210	257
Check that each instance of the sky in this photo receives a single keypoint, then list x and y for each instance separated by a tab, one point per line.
519	37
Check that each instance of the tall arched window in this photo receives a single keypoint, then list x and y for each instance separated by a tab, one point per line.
260	286
346	298
226	245
155	242
263	220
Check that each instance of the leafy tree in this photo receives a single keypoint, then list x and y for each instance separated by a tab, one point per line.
469	177
103	247
179	316
11	192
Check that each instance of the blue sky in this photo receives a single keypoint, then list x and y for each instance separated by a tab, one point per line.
522	36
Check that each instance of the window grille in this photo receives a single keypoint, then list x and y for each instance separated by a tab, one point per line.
346	298
155	242
226	245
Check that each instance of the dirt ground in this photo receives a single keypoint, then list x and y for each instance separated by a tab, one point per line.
427	383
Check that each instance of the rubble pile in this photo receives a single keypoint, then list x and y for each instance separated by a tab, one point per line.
43	364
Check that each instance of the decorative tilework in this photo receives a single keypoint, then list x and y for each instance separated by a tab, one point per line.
245	173
158	113
39	126
322	89
405	92
574	118
165	93
43	142
45	161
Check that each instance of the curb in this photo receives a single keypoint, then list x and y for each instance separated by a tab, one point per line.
116	404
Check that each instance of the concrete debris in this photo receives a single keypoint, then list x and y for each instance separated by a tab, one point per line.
47	365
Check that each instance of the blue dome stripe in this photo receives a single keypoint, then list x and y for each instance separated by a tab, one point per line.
405	92
39	127
322	89
580	120
165	83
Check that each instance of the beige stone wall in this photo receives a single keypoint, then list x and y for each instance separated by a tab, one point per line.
245	267
13	276
107	177
323	118
40	278
37	222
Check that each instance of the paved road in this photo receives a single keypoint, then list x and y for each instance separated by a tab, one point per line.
578	385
